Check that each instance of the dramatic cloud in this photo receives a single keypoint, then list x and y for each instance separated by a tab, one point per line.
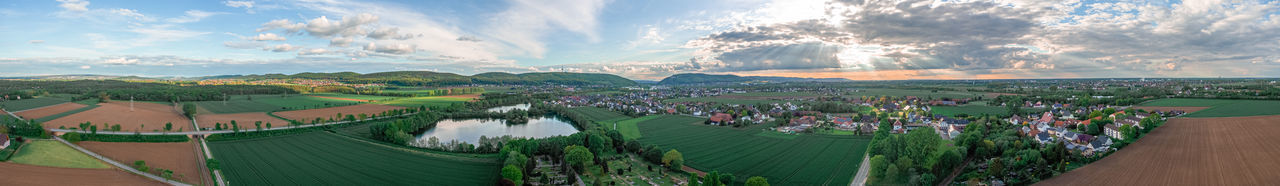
267	37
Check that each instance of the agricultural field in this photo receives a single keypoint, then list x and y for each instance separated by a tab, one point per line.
971	109
1221	107
353	97
181	158
31	175
235	106
31	103
435	101
630	128
143	117
242	119
803	160
52	153
599	115
917	93
49	110
66	113
308	116
731	100
322	158
1191	151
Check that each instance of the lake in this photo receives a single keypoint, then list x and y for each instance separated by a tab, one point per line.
509	108
470	130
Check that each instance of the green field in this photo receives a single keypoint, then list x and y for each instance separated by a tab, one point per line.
600	115
1221	107
322	158
971	109
426	101
268	103
55	154
30	103
67	113
923	94
804	160
353	96
630	128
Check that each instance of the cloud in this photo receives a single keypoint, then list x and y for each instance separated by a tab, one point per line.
525	22
317	51
389	33
85	67
242	45
349	26
132	14
340	42
239	4
267	37
120	61
36	41
282	48
469	39
391	48
192	16
74	5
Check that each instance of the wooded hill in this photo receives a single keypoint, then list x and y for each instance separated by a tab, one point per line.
428	78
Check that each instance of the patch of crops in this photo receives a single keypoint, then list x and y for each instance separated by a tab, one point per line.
1222	107
969	109
322	158
438	101
30	103
598	114
803	160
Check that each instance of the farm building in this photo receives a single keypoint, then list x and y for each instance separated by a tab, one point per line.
721	119
4	141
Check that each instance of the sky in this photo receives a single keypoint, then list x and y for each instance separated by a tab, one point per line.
646	39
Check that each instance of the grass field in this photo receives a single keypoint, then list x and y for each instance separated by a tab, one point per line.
1221	107
600	115
55	154
970	109
803	160
917	93
30	103
353	96
268	103
435	101
322	158
630	128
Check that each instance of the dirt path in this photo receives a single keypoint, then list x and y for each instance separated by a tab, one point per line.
864	170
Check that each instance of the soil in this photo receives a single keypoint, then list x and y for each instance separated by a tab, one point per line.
49	111
152	115
242	119
307	116
182	158
1166	109
1191	151
19	174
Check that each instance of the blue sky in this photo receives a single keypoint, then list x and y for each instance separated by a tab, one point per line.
915	39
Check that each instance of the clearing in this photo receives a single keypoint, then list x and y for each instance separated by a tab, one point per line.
182	158
55	154
803	160
49	110
242	119
322	158
1191	151
1221	107
308	116
31	175
144	117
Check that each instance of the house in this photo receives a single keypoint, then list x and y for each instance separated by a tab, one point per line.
721	119
1100	145
804	121
4	140
1113	131
1044	138
843	121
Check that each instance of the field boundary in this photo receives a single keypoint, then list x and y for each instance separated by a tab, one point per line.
120	165
65	114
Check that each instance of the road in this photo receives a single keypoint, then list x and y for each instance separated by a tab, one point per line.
864	170
206	132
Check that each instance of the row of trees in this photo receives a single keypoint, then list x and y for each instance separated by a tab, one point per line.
914	158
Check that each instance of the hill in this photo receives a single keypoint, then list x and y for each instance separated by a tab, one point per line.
428	78
695	78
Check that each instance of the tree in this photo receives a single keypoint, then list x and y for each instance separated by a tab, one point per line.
921	143
141	165
578	156
673	159
258	124
166	174
212	164
878	167
268	124
168	126
93	128
757	181
513	173
995	168
189	109
891	175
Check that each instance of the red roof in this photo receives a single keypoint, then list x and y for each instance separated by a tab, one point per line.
721	117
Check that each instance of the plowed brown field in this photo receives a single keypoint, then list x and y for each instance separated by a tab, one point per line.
307	116
1191	151
152	115
179	157
49	111
242	119
19	174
